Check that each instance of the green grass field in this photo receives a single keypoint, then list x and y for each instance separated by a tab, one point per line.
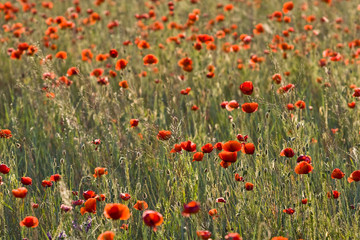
56	117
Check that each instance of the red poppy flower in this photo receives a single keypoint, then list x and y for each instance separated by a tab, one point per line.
99	171
303	168
250	107
289	211
304	201
276	78
249	186
248	148
88	194
46	183
106	236
354	176
177	148
207	148
72	71
218	146
334	194
247	88
152	219
5	133
20	192
164	135
30	222
232	146
300	104
124	84
125	196
191	208
228	156
232	105
150	59
26	180
61	55
141	205
121	64
337	174
288	6
233	236
287	152
116	211
89	206
188	146
213	213
55	178
198	156
238	178
4	169
134	122
203	234
113	53
305	158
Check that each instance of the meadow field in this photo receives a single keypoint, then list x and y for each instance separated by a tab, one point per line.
182	119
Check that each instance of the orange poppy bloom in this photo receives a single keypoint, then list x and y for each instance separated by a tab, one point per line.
238	178
121	64
150	59
249	186
61	55
233	104
164	135
303	168
152	219
97	72
134	122
26	180
90	206
5	133
186	64
141	205
86	55
20	192
279	238
250	107
213	212
191	208
99	171
287	7
106	236
124	84
30	222
337	174
354	176
116	211
228	156
73	71
300	104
